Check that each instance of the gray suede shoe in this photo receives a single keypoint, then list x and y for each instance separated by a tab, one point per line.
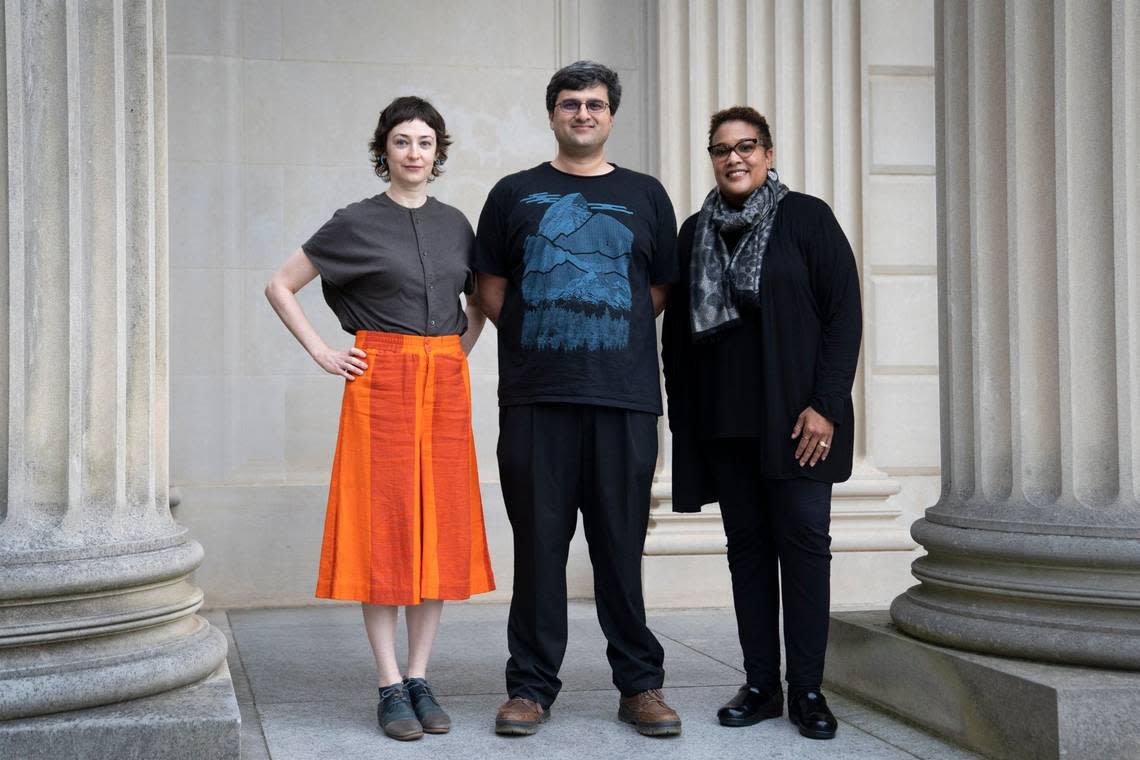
396	715
431	715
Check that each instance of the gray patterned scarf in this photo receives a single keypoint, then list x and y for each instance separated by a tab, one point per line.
723	281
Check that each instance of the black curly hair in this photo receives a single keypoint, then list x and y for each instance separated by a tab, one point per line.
745	114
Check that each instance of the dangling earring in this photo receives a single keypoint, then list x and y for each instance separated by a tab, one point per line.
439	163
383	160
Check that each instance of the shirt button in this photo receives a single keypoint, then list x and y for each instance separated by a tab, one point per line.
432	323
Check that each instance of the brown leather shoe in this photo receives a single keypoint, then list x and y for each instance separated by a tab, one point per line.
648	712
519	717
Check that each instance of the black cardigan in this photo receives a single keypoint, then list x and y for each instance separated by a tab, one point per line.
799	348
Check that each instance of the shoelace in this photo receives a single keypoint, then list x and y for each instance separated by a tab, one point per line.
396	693
420	688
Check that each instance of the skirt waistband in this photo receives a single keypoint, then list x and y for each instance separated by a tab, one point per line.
400	343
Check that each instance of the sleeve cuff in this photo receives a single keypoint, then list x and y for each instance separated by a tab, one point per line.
830	408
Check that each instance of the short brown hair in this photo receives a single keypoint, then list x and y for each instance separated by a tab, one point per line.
408	108
746	114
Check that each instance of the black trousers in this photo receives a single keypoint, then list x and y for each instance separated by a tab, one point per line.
778	544
554	460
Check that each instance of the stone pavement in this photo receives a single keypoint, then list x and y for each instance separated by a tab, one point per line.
305	684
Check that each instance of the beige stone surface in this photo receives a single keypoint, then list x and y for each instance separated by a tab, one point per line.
904	422
199	309
198	201
898	32
260	429
907	335
205	108
898	227
901	120
263	216
197	427
262	28
461	33
204	27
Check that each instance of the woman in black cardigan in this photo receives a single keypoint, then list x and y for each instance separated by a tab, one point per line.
761	339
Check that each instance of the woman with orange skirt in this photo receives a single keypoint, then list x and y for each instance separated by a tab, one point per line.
404	525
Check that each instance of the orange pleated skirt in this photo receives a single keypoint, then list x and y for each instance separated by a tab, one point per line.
405	520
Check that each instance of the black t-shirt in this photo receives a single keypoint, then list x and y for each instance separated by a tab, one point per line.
393	269
580	253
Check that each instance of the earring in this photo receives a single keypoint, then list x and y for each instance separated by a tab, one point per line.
439	163
383	160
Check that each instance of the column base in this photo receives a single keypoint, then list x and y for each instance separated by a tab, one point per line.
195	722
1004	708
101	627
1068	599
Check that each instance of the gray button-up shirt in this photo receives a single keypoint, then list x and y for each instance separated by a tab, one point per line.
392	269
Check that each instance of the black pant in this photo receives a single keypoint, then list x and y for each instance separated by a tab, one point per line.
778	540
555	459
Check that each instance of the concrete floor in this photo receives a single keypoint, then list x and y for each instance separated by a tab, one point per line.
305	683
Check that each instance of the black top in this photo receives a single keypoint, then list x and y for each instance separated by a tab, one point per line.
393	269
580	253
753	380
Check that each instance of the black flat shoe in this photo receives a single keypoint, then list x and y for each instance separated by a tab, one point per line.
396	716
750	706
809	711
430	714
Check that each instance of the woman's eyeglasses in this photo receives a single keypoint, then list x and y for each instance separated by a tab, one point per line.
571	106
743	148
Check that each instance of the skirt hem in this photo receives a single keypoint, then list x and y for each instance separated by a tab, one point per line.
364	598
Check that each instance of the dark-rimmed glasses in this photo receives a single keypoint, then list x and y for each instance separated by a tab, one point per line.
571	106
743	148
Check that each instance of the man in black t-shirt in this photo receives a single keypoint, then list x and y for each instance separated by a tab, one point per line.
574	259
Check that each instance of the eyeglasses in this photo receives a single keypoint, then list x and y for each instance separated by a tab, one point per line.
571	106
743	148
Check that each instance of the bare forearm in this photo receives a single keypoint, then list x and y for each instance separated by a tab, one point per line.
475	322
658	293
492	293
288	308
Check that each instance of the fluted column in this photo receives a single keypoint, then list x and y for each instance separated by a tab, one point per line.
96	605
1032	550
798	62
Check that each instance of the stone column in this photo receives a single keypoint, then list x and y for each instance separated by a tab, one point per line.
1032	550
799	64
96	605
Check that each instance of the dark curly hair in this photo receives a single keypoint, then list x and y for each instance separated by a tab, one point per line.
408	108
746	114
580	75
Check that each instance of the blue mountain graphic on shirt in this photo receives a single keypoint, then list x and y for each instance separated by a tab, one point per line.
576	279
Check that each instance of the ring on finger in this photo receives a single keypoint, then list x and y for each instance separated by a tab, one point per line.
825	444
